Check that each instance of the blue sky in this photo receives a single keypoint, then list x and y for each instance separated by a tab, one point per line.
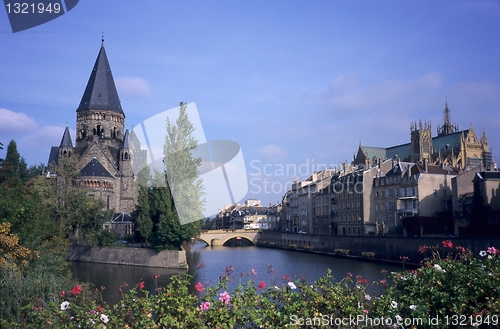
295	83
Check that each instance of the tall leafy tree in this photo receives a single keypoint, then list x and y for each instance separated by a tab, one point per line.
176	210
78	214
182	168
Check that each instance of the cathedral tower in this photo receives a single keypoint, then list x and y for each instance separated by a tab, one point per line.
421	141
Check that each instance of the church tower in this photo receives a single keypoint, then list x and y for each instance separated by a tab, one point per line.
421	141
104	152
100	117
66	148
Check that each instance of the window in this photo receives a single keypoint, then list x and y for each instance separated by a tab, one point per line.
376	194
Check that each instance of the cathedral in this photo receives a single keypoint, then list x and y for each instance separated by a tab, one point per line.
463	149
102	143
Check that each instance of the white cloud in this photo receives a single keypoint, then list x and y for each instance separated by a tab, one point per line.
346	92
133	86
273	152
11	121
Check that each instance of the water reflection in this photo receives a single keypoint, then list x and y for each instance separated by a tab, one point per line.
207	264
111	277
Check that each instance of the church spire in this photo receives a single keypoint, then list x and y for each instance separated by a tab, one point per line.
100	93
447	128
66	139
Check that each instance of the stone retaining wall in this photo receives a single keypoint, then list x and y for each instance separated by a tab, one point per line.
129	256
390	248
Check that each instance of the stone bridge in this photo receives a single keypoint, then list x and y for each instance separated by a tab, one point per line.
219	237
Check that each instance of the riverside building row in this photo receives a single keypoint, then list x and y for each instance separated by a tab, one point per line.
432	186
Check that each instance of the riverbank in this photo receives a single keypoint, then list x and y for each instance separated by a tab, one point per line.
129	256
393	250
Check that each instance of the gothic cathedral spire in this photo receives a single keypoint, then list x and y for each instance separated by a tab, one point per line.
447	128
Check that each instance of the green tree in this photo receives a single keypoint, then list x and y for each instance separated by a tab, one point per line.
176	210
142	212
1	148
79	215
182	168
14	169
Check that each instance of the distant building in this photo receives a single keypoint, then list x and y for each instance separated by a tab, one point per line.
251	215
103	146
463	149
299	204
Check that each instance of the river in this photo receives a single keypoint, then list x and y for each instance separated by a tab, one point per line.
207	264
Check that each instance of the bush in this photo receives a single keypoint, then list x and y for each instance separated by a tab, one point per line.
107	239
447	289
368	254
343	252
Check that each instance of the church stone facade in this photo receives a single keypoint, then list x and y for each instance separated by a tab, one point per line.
463	149
102	142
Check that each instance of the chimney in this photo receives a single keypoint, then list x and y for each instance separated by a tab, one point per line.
425	165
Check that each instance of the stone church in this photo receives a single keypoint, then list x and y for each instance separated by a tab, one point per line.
102	143
451	146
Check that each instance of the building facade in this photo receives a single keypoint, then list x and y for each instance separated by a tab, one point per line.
102	146
463	149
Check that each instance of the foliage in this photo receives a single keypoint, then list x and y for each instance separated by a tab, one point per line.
14	168
79	215
142	212
36	218
343	252
169	210
107	238
182	168
10	250
440	294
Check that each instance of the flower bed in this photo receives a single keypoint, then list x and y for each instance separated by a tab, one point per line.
452	288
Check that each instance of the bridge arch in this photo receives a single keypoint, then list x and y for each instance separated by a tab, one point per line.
209	242
221	237
240	238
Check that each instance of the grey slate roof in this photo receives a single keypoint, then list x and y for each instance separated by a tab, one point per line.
125	144
66	139
53	156
373	152
403	151
399	152
452	140
95	168
101	90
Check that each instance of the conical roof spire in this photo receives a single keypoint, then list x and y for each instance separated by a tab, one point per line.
101	91
126	143
66	139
